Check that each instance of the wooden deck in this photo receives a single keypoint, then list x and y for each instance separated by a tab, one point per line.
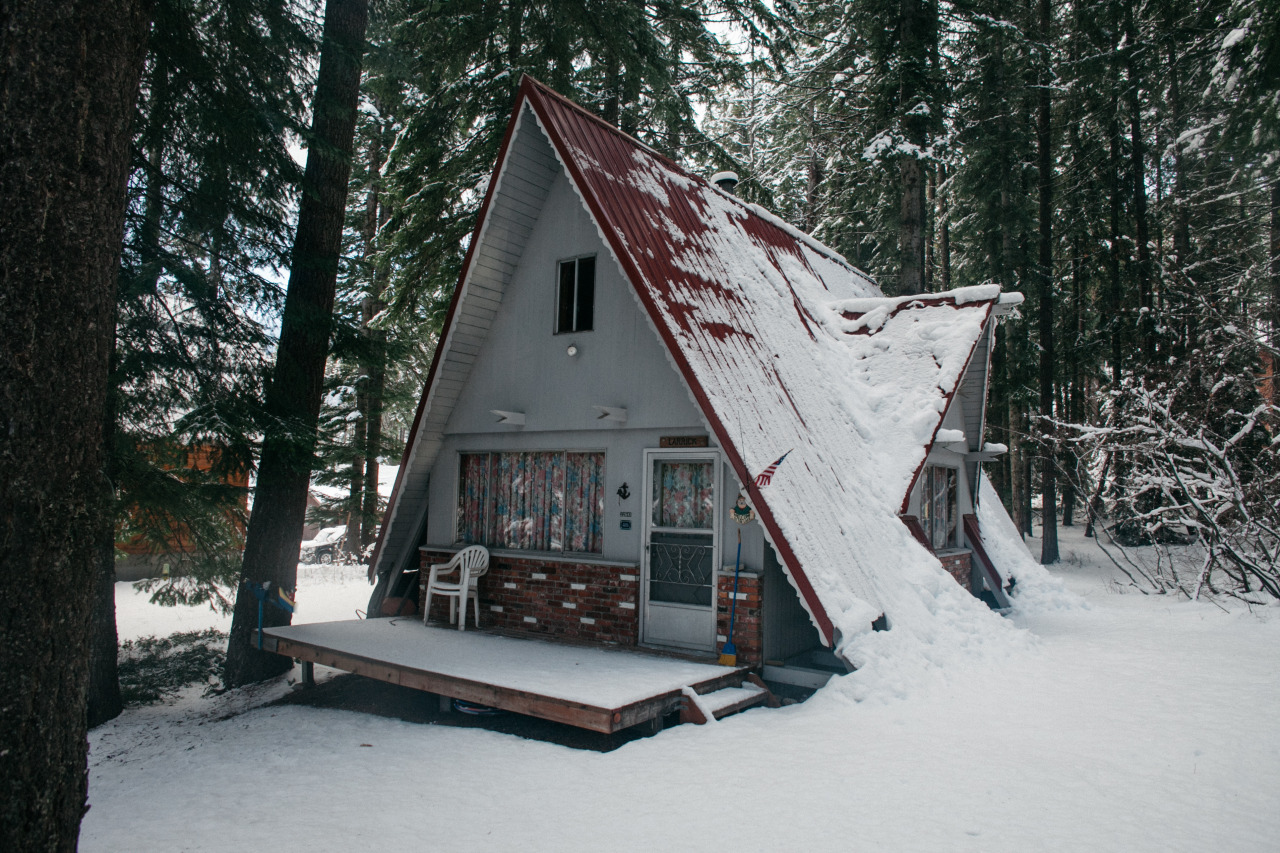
598	689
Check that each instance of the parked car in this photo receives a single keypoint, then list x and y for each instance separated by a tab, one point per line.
324	548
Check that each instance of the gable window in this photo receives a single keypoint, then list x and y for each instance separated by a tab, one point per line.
576	295
532	501
938	512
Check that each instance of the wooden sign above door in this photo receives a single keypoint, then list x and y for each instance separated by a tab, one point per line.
683	441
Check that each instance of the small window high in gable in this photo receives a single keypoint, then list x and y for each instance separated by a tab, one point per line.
576	295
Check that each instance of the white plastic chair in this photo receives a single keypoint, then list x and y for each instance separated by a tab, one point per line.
470	563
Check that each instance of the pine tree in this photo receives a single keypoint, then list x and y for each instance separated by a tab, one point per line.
1045	158
211	186
294	395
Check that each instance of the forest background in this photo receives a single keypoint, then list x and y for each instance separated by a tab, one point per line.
1114	161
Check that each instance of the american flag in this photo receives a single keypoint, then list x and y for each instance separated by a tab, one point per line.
766	476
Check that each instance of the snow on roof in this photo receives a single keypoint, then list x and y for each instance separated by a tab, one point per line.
785	346
771	330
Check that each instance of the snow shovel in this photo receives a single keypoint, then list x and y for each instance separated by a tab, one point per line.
729	653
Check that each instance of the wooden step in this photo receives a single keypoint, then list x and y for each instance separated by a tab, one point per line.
723	702
731	700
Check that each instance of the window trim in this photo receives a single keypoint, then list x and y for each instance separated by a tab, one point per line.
458	484
575	260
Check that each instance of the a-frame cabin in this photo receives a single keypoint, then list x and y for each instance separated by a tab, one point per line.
628	349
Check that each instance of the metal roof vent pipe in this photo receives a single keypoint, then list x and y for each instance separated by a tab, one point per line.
725	181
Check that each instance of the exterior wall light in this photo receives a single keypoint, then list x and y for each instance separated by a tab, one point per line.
572	350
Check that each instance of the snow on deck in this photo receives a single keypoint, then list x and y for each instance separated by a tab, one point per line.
600	677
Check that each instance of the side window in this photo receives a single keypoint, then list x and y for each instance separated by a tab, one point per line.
576	295
938	512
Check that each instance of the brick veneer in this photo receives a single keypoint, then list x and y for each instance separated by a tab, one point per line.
577	601
747	634
959	566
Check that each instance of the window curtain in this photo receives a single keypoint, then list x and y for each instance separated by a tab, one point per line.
684	497
537	501
584	502
473	489
527	495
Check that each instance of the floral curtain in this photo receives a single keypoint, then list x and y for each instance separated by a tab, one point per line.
526	497
683	495
473	489
536	501
584	502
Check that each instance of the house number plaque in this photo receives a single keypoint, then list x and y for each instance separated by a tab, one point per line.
683	441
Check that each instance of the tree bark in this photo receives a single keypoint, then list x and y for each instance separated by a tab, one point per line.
1115	303
1074	407
1275	273
1142	237
293	398
1048	432
911	227
374	371
915	30
1019	493
944	234
69	76
103	698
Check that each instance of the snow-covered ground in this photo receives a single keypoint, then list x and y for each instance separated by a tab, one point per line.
1101	721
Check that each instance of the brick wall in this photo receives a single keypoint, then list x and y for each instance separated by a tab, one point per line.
959	566
575	601
747	634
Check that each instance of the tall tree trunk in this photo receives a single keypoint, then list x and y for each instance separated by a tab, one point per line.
1115	300
1275	272
1182	338
69	74
355	489
1020	497
911	227
373	437
814	175
914	28
1073	390
944	234
103	689
294	395
930	258
374	370
1048	362
1137	153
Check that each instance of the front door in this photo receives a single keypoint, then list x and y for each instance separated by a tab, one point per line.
680	544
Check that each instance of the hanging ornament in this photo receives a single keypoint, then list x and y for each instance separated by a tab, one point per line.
742	511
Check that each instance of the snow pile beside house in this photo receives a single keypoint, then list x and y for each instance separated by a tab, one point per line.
1036	589
953	636
957	633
